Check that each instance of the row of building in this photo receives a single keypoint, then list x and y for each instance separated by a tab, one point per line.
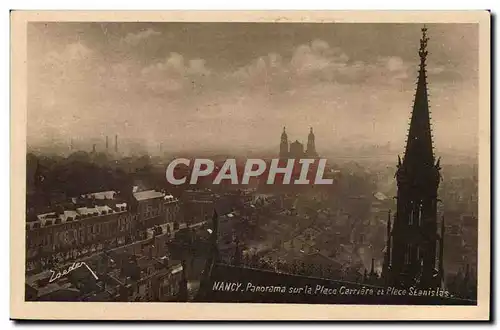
140	271
116	246
94	222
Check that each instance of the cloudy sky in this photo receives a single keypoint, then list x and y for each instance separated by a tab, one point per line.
235	85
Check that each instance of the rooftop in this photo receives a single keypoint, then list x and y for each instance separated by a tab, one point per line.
101	195
84	206
148	194
53	218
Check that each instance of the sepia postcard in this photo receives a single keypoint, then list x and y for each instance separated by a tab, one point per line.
280	165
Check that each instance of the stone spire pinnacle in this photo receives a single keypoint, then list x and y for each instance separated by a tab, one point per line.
311	144
419	149
284	135
284	144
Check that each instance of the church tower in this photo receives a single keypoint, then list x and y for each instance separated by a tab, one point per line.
311	146
412	260
284	145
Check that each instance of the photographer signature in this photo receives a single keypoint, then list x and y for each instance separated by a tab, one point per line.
57	275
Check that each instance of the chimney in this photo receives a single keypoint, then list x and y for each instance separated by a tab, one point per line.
93	148
107	144
116	143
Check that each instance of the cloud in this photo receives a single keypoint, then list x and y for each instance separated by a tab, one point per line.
311	64
318	63
317	57
61	65
78	91
174	73
435	70
197	67
175	64
394	63
134	39
71	53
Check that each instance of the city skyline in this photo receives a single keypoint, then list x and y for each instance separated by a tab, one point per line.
158	83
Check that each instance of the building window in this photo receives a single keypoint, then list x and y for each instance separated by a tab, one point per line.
420	214
142	290
412	210
408	254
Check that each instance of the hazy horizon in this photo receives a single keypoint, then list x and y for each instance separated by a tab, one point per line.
233	86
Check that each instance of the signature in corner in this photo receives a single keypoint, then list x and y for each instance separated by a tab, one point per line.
57	275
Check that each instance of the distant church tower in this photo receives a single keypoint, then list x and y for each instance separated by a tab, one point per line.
412	245
311	146
284	144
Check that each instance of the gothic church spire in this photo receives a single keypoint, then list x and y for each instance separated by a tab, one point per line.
414	235
419	150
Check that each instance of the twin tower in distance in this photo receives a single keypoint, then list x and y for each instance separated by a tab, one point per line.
295	149
292	160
